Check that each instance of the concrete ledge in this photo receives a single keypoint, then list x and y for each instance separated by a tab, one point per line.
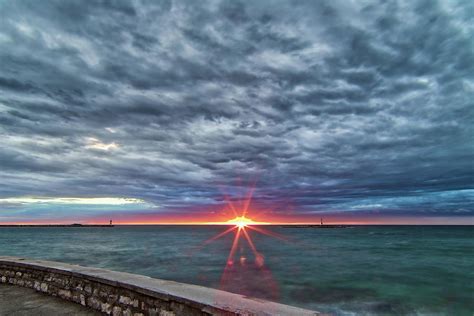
118	293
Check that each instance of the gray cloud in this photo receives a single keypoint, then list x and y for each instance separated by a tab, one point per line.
332	105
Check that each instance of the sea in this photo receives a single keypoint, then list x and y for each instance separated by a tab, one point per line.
360	270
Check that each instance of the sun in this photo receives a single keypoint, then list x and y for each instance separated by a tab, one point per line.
241	221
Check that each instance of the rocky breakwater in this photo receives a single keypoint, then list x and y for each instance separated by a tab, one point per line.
117	293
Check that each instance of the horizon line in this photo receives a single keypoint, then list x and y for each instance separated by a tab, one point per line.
231	224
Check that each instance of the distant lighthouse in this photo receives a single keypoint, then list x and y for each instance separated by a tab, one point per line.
321	221
110	223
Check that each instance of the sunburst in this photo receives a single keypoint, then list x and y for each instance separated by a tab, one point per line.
240	225
241	275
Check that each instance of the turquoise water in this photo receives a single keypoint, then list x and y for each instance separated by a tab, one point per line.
402	270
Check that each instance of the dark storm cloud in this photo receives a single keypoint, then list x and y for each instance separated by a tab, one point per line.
333	106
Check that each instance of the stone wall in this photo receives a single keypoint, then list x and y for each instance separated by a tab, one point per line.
116	293
102	297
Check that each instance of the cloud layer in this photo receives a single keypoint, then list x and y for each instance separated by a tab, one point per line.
333	106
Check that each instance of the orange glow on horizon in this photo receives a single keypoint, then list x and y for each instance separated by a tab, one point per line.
331	219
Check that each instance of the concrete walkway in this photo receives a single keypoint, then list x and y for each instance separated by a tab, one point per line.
20	301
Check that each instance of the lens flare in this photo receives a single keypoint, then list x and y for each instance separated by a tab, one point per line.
242	273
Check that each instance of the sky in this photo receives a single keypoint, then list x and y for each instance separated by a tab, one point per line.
167	111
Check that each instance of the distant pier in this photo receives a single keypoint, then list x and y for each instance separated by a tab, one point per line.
321	225
315	226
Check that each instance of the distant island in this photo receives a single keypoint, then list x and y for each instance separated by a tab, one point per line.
56	225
